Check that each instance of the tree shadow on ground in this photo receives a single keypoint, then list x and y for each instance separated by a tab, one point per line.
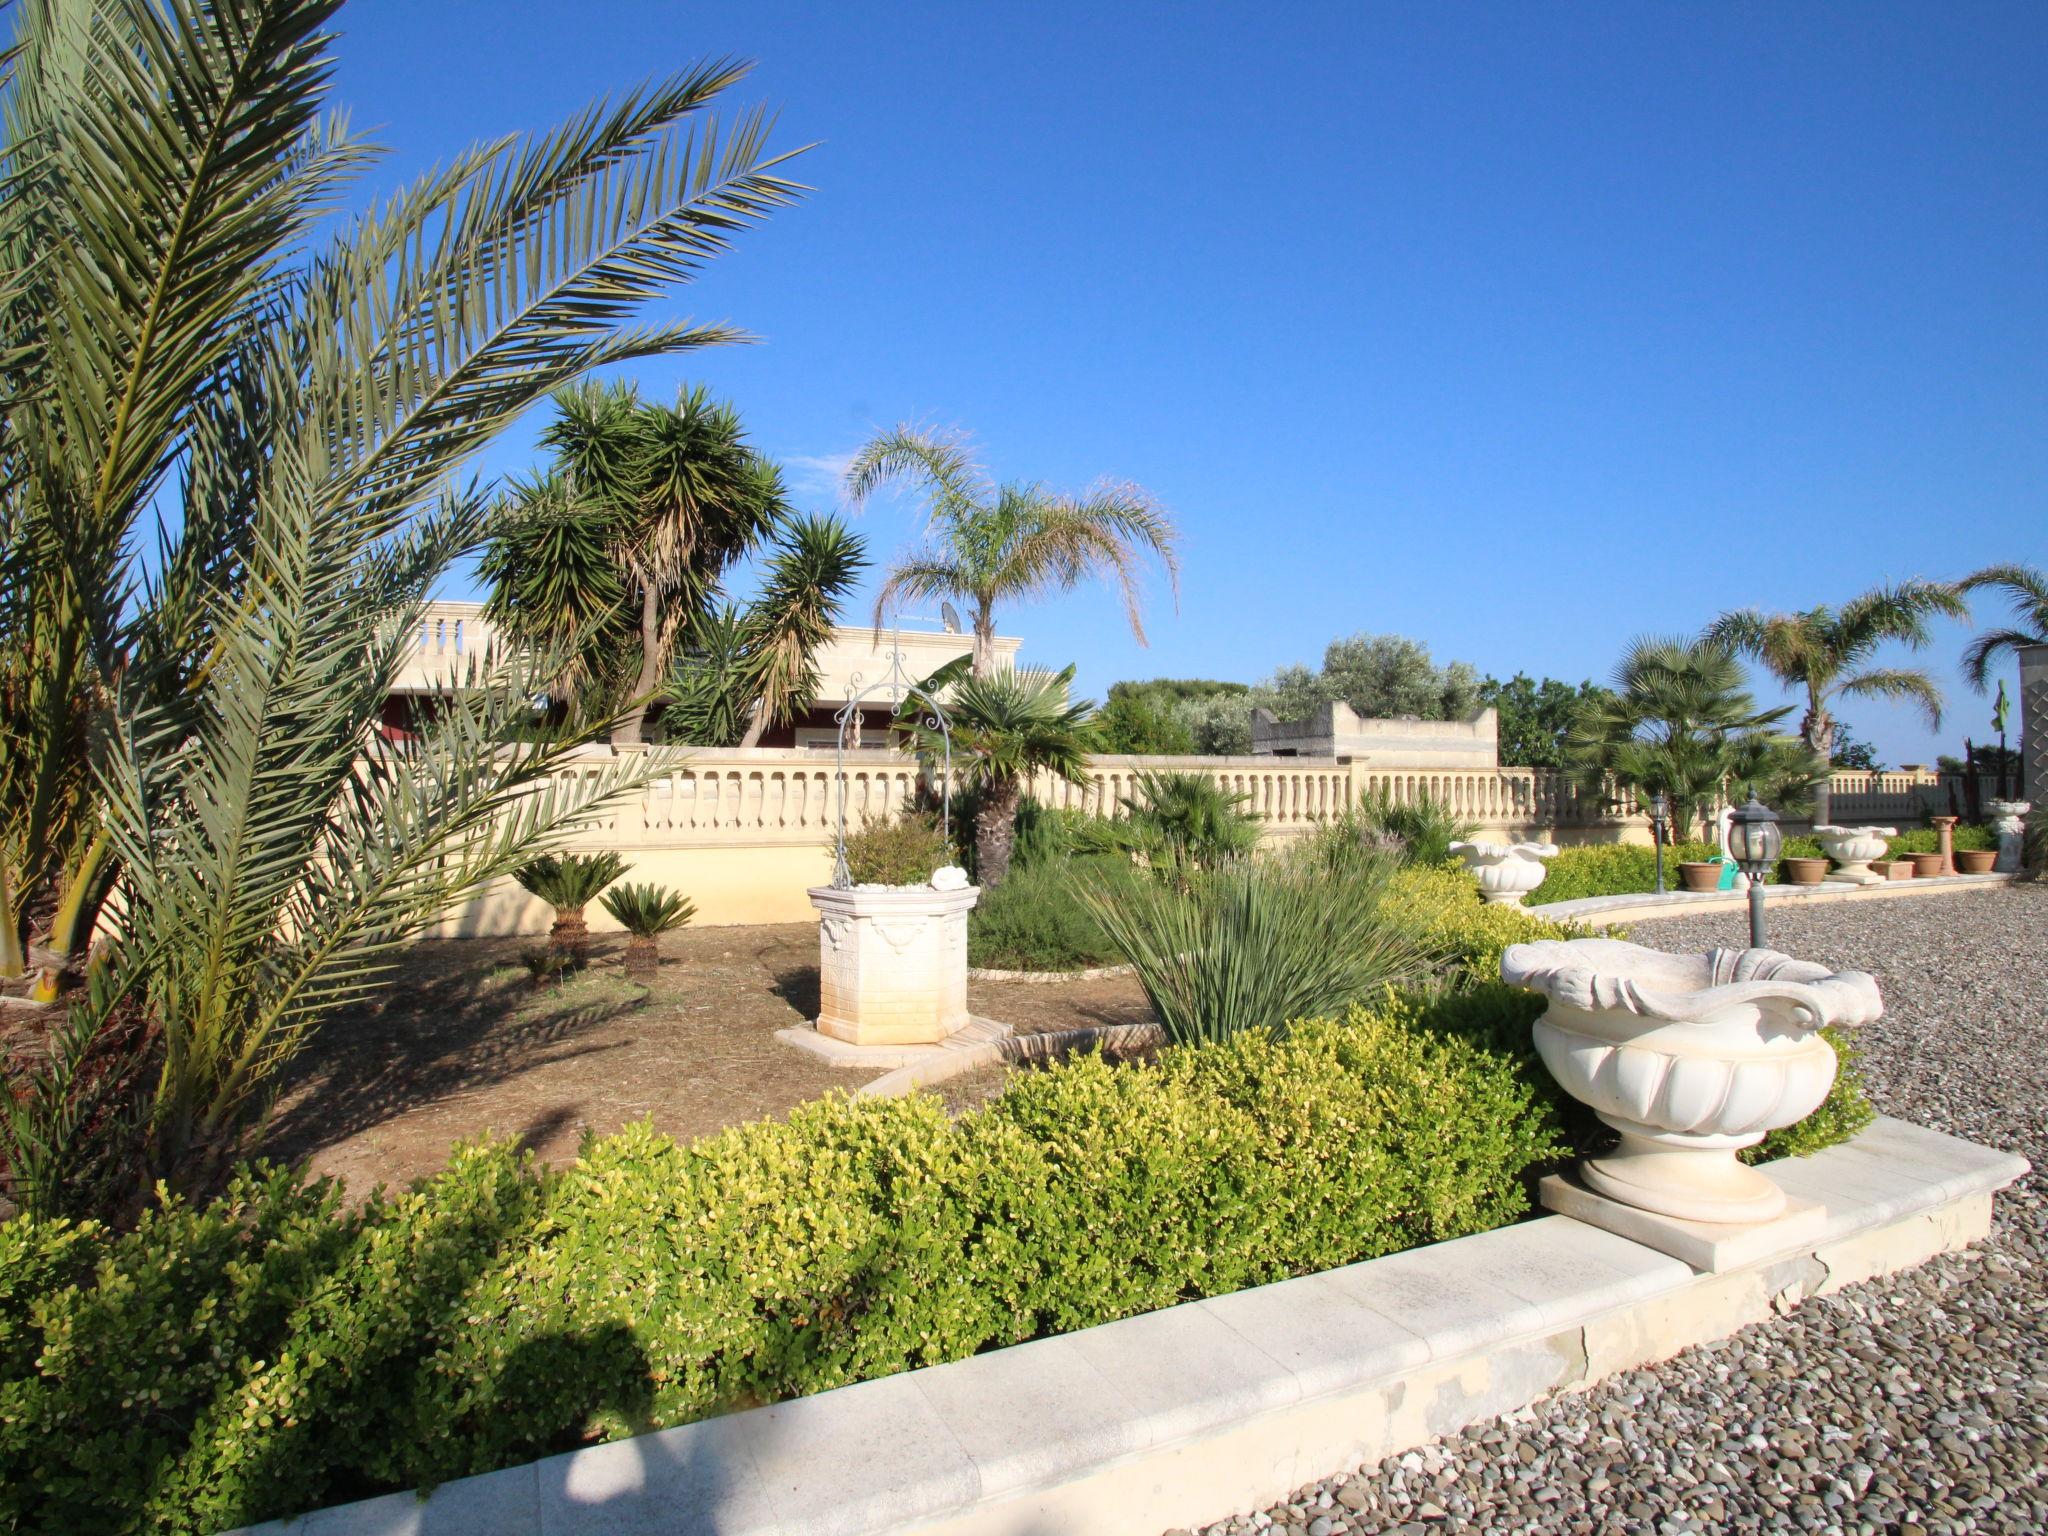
459	1029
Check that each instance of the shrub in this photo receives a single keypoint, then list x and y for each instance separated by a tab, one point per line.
1420	831
1255	945
275	1350
1035	920
1443	909
1187	822
1046	832
901	851
1615	869
1965	836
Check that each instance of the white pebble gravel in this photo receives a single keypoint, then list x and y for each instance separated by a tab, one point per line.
1916	1404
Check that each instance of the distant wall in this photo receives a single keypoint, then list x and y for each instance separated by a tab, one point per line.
1337	730
745	833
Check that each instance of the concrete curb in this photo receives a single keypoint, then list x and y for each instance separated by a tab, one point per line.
1167	1418
1647	906
1093	973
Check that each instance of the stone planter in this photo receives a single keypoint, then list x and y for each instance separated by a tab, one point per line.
1926	865
1899	869
1705	876
892	961
1507	871
1854	849
1975	861
1805	871
2008	820
1691	1058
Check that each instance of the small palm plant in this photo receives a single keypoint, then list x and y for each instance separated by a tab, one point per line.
1187	822
647	912
569	883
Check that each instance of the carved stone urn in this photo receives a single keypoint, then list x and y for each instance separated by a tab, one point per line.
2009	821
1691	1058
1507	871
892	960
1853	848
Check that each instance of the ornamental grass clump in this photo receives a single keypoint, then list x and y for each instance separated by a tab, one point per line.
1257	944
646	912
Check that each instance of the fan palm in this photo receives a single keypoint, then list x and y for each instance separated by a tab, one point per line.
616	547
1824	652
1006	727
1187	822
987	544
1679	722
2026	588
185	323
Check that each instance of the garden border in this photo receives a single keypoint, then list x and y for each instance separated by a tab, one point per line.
1644	906
1226	1404
1092	973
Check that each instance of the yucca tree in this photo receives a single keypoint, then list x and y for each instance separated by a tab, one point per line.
1680	720
1824	652
619	544
1005	728
225	493
2025	587
986	544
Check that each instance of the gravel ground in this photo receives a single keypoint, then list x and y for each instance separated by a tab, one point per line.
1915	1404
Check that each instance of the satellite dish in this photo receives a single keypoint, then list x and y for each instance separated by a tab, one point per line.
950	617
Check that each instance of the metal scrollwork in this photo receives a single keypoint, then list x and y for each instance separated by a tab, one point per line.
904	696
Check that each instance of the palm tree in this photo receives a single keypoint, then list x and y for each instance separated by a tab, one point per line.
743	670
616	547
568	883
1007	726
2027	590
987	544
1680	722
1824	650
186	323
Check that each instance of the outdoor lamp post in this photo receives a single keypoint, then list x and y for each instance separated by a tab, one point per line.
1753	842
1660	818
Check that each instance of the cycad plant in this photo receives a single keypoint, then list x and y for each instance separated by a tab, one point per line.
646	912
1259	944
569	882
987	544
226	488
1005	728
1824	652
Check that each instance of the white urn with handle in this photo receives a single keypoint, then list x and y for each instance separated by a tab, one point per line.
1507	871
2009	821
1690	1058
1853	849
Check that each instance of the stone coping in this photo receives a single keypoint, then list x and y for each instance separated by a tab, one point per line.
1169	1417
1643	906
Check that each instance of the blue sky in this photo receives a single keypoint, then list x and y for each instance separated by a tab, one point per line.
1521	329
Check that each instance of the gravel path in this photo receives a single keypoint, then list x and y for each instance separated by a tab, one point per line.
1915	1404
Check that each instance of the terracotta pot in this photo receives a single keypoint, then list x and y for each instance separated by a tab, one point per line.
1805	871
1899	869
1975	861
1927	865
1699	877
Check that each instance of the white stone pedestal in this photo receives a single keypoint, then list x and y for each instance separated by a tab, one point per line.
2009	821
1708	1246
892	962
1854	849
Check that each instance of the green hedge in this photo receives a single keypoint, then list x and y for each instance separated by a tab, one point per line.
1034	920
1968	836
275	1350
1624	869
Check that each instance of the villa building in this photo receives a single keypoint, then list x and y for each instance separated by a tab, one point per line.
454	636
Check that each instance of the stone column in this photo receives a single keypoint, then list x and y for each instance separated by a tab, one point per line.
2034	722
1945	827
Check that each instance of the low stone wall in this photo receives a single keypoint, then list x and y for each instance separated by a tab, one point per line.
1167	1418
